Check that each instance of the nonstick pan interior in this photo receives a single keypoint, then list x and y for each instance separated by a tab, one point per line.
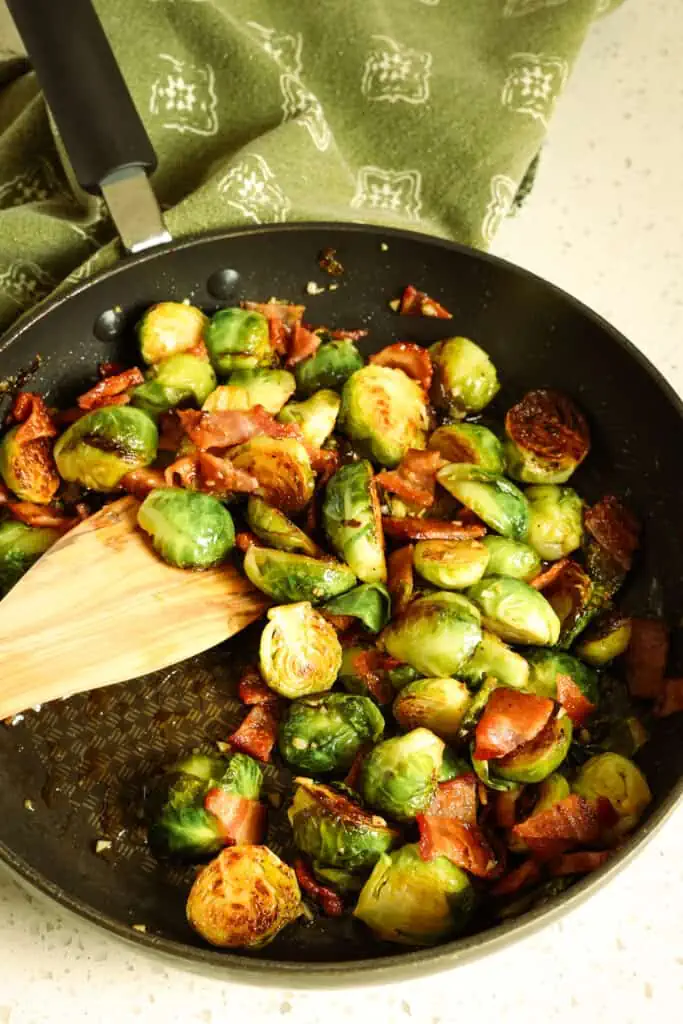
80	764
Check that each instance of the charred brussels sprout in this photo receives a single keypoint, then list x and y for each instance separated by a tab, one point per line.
179	380
168	329
534	761
399	776
465	379
500	504
299	653
605	639
353	522
494	658
288	577
555	520
436	634
335	831
548	667
247	388
511	558
413	901
515	611
20	547
316	416
451	564
469	442
282	468
621	781
274	528
238	339
324	734
329	367
28	468
547	438
384	412
188	529
243	898
437	704
101	447
370	602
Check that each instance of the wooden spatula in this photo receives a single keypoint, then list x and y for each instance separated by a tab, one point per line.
100	607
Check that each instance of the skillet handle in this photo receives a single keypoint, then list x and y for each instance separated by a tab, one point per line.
101	129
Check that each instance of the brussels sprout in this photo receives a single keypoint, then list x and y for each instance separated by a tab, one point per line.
238	339
546	668
243	898
436	704
551	791
500	504
381	678
515	611
28	469
179	826
535	760
413	901
275	529
188	529
247	388
353	522
547	438
401	675
451	564
511	558
316	416
436	634
288	577
242	776
465	379
399	776
333	830
384	412
494	658
101	447
452	766
370	602
328	368
469	442
282	468
621	781
324	734
575	601
605	639
179	380
299	653
20	547
341	881
169	328
555	520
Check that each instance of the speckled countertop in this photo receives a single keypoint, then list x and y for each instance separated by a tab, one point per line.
605	223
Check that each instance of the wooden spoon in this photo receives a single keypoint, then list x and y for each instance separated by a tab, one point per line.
100	607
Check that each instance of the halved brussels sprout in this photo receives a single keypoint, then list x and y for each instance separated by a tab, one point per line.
169	328
384	412
369	602
547	668
329	367
494	658
500	504
555	520
334	830
436	634
413	901
243	898
299	653
469	442
511	558
436	704
515	611
288	577
551	791
20	547
238	339
353	521
275	529
28	468
547	438
101	447
340	880
282	468
605	639
316	416
451	564
465	379
535	760
324	734
247	388
399	776
178	380
188	529
453	766
622	783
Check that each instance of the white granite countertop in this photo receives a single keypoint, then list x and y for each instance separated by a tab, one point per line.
604	222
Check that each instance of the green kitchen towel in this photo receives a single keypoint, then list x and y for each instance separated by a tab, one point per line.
420	113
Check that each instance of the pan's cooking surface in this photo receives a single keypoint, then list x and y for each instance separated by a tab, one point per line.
81	763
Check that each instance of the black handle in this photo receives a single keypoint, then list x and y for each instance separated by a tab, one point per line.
93	110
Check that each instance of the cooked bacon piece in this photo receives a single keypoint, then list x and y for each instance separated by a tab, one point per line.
414	480
241	820
415	303
578	707
171	432
41	515
510	719
573	821
464	845
353	775
615	528
283	320
505	812
304	343
232	427
246	539
412	359
549	575
671	699
110	390
548	424
30	411
65	417
324	461
646	657
400	578
252	689
4	494
183	473
340	622
415	528
327	261
278	335
257	734
109	370
456	799
30	454
371	666
579	863
526	874
139	482
327	898
219	476
338	334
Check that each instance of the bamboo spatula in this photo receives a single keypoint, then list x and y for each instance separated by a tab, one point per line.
100	607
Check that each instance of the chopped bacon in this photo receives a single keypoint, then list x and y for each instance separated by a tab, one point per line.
110	390
414	480
615	528
327	898
548	425
340	622
304	343
416	528
671	699
371	666
456	799
139	482
245	539
573	821
510	719
579	863
327	261
232	427
109	370
241	820
506	807
526	874
171	432
41	515
30	411
182	473
278	335
283	320
324	461
400	578
464	845
252	689
549	575
416	303
646	657
412	359
257	734
353	775
339	334
65	417
220	476
578	707
30	455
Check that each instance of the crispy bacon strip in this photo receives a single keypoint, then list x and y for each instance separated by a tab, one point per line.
65	417
257	734
324	461
110	390
241	820
671	699
456	799
220	476
464	845
171	432
31	458
139	482
252	689
412	359
339	334
548	576
415	528
340	622
579	863
109	370
505	811
182	473
371	666
278	335
526	874
232	427
304	343
646	657
246	539
615	528
510	719
416	303
577	706
400	578
549	425
415	478
328	899
41	515
573	821
30	411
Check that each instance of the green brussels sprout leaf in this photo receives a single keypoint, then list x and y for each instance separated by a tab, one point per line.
276	530
369	602
496	501
285	576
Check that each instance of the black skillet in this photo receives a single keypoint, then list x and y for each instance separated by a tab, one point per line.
81	761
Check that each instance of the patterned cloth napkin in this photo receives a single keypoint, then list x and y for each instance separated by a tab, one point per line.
421	113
